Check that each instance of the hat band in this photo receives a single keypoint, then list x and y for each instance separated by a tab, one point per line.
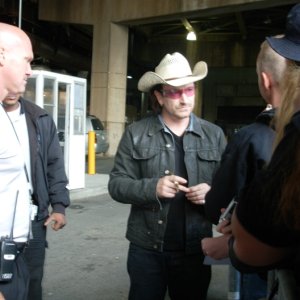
174	78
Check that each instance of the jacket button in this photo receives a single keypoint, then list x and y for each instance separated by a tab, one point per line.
167	172
155	246
168	145
160	222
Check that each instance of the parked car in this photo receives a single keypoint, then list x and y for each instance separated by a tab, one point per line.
94	124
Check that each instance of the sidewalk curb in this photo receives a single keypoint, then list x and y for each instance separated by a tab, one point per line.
95	185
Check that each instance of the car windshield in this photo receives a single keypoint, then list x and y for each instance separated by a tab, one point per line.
97	125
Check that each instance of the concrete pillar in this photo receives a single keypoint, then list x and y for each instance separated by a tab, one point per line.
109	71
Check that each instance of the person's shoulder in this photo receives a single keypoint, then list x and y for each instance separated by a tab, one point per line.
147	127
256	138
260	127
266	116
255	130
204	124
241	140
32	107
37	113
144	122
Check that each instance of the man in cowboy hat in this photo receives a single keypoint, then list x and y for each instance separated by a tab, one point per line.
163	168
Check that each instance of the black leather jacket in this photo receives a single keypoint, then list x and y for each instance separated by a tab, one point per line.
146	153
47	165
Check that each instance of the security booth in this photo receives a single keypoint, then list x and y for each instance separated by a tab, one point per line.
64	98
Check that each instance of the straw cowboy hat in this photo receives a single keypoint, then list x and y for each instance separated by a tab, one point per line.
173	70
288	45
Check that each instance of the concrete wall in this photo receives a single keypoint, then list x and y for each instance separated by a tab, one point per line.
109	63
88	11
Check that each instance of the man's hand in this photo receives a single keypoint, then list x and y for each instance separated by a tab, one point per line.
169	186
224	227
216	247
197	193
57	220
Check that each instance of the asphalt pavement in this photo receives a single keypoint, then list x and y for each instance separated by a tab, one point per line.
87	259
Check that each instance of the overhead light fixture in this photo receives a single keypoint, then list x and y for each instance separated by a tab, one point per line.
191	36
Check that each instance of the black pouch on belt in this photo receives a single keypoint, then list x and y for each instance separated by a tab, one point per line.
8	254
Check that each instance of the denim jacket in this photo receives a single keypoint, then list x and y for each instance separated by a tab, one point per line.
147	152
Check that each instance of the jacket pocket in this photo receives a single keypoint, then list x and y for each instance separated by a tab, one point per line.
144	153
208	162
148	160
209	155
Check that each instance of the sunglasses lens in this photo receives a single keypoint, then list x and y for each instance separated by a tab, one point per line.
173	94
189	91
177	93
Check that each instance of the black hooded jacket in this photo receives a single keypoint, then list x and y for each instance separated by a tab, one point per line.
248	152
49	179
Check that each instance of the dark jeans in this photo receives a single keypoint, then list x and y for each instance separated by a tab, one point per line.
153	273
35	258
253	287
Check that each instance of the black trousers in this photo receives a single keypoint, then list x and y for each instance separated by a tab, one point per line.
152	274
17	288
35	258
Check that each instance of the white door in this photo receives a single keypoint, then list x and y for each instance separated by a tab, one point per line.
77	135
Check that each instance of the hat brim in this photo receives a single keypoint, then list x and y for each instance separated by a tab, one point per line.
150	79
285	47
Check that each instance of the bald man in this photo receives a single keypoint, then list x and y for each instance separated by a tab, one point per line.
15	58
15	207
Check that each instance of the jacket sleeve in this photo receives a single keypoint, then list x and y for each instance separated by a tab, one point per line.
126	183
56	176
228	180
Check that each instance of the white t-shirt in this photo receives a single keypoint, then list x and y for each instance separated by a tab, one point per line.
20	125
12	180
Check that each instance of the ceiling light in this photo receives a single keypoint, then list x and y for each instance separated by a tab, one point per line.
191	36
